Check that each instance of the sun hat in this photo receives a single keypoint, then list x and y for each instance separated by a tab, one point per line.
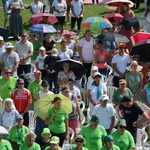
80	137
95	118
9	45
94	68
104	97
71	80
97	74
45	83
42	48
1	38
125	99
54	140
76	54
122	122
30	133
19	117
37	72
122	81
108	138
54	52
46	131
139	68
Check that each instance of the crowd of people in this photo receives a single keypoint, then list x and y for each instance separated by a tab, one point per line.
112	125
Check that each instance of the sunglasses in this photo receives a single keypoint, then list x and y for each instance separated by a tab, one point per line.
122	47
79	141
20	83
23	35
123	127
8	72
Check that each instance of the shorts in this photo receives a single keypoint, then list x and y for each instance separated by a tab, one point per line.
61	20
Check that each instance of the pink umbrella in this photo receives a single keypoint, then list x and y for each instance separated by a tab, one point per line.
67	32
38	18
139	37
114	16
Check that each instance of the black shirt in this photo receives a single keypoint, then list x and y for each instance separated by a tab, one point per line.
48	45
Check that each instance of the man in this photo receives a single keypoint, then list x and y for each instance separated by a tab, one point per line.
24	48
106	113
131	112
10	59
119	63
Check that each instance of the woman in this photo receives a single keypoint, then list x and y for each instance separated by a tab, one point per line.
8	114
17	133
101	57
15	21
123	138
57	120
22	99
64	52
86	51
95	90
79	141
48	43
60	7
146	14
134	80
120	92
65	74
2	48
36	7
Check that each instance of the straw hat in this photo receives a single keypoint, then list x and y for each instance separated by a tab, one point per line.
139	68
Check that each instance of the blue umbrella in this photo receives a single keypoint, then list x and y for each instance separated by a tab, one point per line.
42	28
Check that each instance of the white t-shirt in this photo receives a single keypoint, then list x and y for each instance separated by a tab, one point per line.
121	62
40	59
36	8
65	55
104	114
87	49
77	7
75	91
42	94
71	45
59	6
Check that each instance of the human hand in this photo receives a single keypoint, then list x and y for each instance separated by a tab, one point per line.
48	71
67	137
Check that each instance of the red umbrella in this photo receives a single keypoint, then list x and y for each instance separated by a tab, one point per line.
38	18
119	3
115	16
139	37
67	32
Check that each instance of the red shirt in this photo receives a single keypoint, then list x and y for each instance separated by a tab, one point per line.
21	100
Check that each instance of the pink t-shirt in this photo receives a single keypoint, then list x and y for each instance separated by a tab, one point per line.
102	56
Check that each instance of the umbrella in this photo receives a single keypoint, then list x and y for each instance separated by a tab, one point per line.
114	16
68	32
75	66
3	130
37	18
119	3
142	49
42	28
42	106
135	22
96	23
139	37
113	37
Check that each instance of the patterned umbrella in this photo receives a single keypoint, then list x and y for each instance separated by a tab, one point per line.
96	23
114	16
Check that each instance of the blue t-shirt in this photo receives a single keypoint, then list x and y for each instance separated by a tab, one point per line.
147	89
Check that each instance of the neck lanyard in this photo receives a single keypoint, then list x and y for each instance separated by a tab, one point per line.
19	133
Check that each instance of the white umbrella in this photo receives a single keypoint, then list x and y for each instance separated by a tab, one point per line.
3	130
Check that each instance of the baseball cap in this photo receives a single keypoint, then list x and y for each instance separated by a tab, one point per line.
122	81
94	68
95	118
125	99
9	45
19	117
108	138
54	140
37	72
104	97
45	83
71	80
97	74
46	130
1	38
42	48
122	122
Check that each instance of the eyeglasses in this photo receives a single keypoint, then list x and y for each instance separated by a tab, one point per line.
122	47
8	72
123	127
79	141
20	83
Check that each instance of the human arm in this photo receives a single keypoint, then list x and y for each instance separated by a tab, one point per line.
67	132
15	66
114	66
80	53
31	10
90	97
78	110
118	111
112	124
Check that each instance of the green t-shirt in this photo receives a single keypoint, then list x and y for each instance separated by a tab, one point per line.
6	87
123	141
36	46
93	137
24	146
113	148
48	148
18	135
34	88
83	148
58	123
5	145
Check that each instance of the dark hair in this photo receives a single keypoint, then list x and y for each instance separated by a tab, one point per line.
100	42
56	99
63	41
20	79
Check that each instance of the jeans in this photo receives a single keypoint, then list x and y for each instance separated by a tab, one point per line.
23	69
52	81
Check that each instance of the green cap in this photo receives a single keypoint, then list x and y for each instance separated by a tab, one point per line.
80	137
54	140
46	130
122	122
95	118
108	138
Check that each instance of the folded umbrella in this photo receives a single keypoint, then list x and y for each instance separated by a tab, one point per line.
114	16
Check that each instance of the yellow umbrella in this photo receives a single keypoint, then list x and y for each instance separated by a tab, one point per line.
42	106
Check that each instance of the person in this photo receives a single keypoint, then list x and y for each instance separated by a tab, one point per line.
49	66
48	43
79	140
146	13
40	61
45	142
86	51
134	79
22	99
8	114
57	121
17	133
109	143
40	123
77	14
123	138
131	112
8	84
106	113
30	142
60	7
10	59
146	90
36	7
65	52
119	63
15	20
54	144
95	90
101	57
120	92
68	2
93	133
24	48
2	45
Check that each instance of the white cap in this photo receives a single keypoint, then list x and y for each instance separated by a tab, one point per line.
94	68
42	48
104	97
1	38
97	74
